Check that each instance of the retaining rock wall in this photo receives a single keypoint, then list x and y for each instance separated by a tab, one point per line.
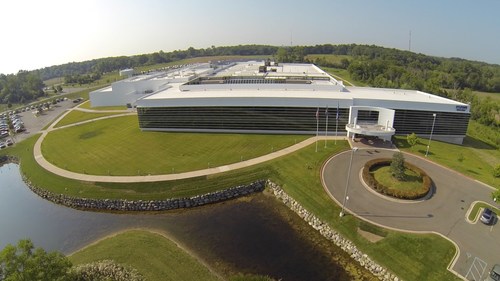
332	235
146	205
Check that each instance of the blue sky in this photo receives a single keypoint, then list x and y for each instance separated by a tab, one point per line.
43	33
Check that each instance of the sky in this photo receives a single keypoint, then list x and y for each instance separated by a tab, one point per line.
36	34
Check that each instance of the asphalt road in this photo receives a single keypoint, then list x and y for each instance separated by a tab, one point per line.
443	213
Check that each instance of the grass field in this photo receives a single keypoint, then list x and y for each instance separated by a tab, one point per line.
298	173
153	255
474	158
116	146
494	96
343	75
412	180
76	116
330	58
484	133
86	105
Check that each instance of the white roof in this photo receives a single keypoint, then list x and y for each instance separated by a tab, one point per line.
321	92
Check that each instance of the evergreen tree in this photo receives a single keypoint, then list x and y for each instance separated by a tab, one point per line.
398	166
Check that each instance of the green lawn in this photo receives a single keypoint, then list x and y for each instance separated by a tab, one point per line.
494	96
86	105
343	75
412	181
484	133
478	205
153	255
330	58
407	255
474	158
76	116
116	146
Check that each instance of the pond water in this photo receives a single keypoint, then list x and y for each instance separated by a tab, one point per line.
254	235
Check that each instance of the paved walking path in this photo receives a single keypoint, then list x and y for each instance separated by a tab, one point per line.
37	152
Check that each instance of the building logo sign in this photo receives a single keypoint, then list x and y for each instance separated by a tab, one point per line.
461	108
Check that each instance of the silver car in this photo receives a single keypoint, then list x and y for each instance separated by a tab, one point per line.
494	274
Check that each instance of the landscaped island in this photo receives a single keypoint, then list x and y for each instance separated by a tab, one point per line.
397	178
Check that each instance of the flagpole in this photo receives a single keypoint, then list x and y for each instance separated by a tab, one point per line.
326	127
336	122
317	128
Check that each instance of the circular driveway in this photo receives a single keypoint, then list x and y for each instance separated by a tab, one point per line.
443	213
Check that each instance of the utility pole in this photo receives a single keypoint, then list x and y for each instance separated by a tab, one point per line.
409	43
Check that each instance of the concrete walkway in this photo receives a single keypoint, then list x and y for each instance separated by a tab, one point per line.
37	152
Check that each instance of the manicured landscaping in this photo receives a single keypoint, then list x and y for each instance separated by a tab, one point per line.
76	116
412	181
153	255
478	205
116	146
298	173
474	158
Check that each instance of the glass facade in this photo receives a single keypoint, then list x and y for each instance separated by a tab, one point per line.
420	122
300	119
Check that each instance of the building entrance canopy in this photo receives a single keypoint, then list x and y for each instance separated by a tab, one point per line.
370	121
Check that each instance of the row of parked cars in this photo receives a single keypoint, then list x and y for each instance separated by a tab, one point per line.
10	122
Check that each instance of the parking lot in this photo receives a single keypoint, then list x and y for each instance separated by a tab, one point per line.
34	123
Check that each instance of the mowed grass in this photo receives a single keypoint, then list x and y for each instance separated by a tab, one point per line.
76	116
412	181
330	58
407	255
474	158
117	146
156	257
87	105
493	96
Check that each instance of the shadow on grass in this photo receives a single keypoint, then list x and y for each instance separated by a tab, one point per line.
476	143
472	172
422	151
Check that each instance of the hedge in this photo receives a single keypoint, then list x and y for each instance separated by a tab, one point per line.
402	194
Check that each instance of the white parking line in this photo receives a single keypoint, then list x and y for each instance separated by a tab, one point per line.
476	269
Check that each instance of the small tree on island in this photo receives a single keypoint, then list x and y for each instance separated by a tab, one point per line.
412	139
398	166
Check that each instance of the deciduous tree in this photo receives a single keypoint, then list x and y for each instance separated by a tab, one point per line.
24	262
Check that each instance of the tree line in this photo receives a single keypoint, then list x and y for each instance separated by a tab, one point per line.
374	65
22	87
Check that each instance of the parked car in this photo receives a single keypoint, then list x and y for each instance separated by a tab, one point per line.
494	274
487	216
2	144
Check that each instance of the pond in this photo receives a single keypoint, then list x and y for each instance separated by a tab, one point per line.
255	234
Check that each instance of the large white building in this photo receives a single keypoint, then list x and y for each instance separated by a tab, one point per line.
263	97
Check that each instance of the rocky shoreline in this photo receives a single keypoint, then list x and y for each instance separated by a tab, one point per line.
146	205
213	197
330	234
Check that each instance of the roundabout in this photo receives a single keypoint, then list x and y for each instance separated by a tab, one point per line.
443	213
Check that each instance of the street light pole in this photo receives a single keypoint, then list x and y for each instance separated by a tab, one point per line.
354	149
430	138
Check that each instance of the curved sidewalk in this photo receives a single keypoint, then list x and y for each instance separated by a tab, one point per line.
37	152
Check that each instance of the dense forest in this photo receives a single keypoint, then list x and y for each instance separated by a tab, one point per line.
21	87
376	66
